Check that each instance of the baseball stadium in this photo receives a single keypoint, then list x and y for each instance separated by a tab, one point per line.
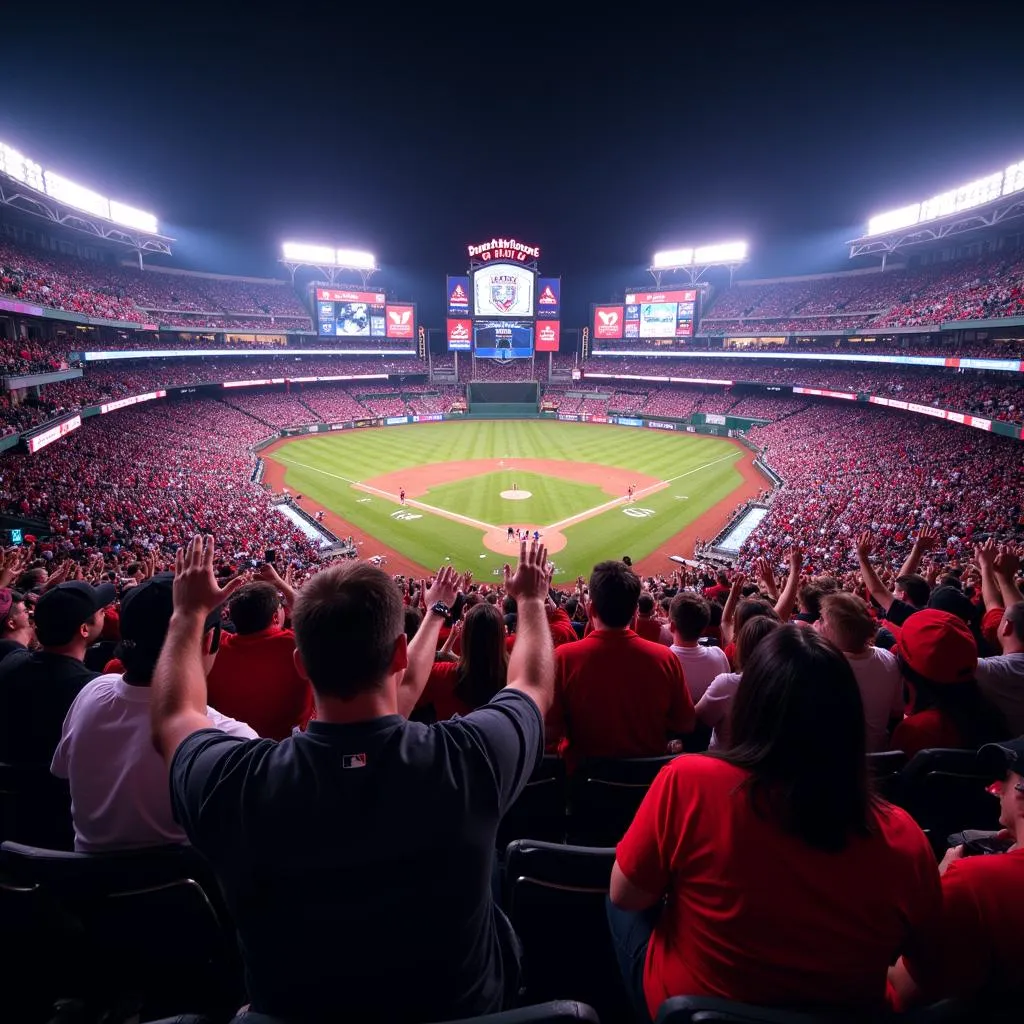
504	643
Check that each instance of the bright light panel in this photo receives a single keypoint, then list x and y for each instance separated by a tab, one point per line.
955	200
78	196
724	252
132	218
301	252
356	260
673	258
21	168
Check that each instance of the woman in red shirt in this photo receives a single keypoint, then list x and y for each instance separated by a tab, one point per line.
458	687
768	872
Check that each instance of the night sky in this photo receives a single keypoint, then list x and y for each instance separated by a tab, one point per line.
599	137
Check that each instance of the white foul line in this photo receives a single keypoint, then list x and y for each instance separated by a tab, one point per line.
315	469
650	489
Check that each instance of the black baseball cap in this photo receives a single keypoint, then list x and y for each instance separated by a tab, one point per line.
146	612
1000	758
949	599
63	608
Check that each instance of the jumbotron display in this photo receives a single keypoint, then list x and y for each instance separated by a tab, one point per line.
501	309
661	315
344	313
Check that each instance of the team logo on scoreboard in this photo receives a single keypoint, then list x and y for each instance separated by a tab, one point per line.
504	291
608	317
458	297
547	297
400	317
460	332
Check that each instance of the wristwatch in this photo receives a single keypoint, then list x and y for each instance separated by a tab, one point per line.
440	608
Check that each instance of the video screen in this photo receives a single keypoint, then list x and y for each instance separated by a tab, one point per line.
660	314
503	289
503	339
343	313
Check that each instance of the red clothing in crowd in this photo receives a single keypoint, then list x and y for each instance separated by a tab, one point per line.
649	629
925	729
756	915
976	944
255	676
617	695
440	691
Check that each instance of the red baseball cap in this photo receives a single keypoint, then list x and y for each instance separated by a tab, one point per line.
938	646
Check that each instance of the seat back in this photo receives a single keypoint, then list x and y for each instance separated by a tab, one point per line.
539	813
555	898
604	794
558	1011
885	769
945	791
35	807
708	1010
151	920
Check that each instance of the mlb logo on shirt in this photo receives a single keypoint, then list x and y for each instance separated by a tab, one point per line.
353	761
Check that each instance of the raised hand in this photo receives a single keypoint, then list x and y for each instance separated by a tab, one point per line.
987	553
195	587
927	538
865	545
13	564
1007	562
445	587
531	578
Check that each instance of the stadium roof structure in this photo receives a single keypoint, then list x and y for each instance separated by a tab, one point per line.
694	261
977	206
26	187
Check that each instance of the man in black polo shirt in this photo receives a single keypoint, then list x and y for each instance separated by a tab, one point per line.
356	857
38	687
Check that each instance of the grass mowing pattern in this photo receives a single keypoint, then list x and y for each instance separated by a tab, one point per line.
324	467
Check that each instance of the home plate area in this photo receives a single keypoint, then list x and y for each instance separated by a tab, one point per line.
497	540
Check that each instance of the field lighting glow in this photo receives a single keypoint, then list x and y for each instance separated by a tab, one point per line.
327	256
966	197
724	252
19	167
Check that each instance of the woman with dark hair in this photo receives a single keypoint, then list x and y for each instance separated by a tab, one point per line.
456	688
768	872
715	705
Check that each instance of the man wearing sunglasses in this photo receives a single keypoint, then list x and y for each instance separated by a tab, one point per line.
119	792
974	948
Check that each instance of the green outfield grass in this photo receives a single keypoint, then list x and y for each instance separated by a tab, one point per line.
700	470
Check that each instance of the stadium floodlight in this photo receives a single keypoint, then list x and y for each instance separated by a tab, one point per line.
316	255
19	167
78	196
355	260
130	217
726	252
672	258
955	200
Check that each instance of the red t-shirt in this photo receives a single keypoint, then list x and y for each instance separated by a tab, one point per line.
756	915
617	695
925	729
990	626
254	680
440	691
976	945
649	629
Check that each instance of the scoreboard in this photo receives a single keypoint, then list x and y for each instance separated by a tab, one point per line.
344	313
667	314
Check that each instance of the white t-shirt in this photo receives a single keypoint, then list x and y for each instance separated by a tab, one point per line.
881	692
700	666
120	794
1001	681
715	706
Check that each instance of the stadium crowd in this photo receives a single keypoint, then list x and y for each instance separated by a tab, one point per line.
444	695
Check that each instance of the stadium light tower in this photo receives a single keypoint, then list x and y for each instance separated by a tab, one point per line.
328	260
694	261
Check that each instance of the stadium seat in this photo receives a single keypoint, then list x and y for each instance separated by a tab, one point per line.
539	813
148	920
561	1011
555	899
885	768
604	795
946	792
35	807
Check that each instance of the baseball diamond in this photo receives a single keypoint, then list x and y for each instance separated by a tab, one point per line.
571	482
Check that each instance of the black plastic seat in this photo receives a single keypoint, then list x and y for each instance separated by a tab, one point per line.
35	807
945	791
151	921
539	813
604	794
555	898
885	769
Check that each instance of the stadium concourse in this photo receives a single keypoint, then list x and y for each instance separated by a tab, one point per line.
884	527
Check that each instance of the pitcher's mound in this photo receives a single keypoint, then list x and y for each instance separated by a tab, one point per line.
497	540
516	495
